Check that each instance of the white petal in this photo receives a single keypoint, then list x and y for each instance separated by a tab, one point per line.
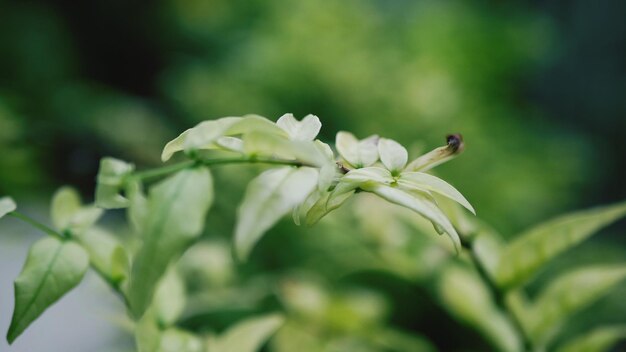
357	153
305	130
393	155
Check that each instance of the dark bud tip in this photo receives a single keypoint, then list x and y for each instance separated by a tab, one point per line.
455	142
344	170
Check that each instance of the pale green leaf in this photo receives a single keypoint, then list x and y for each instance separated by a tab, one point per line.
429	183
52	269
326	150
147	333
230	143
487	247
169	299
269	197
271	145
150	338
597	340
419	204
68	213
467	298
523	257
209	134
366	176
297	336
357	153
106	254
65	204
177	340
247	336
319	204
111	177
328	174
85	218
177	208
517	302
305	130
7	205
567	295
392	154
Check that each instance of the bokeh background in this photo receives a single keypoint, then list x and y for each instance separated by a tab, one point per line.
537	88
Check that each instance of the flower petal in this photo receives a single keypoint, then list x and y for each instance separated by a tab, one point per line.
393	155
357	153
305	130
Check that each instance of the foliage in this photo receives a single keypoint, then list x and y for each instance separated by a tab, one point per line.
477	277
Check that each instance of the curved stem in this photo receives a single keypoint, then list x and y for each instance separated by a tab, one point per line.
164	170
168	169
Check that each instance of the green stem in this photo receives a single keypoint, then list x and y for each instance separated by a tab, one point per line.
165	170
251	160
45	228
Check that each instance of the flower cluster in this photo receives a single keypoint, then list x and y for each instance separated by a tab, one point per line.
322	182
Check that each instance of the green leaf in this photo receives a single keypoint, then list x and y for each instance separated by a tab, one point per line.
392	154
598	340
305	130
523	257
208	134
357	153
467	298
177	209
420	205
247	336
7	205
52	269
111	177
567	295
269	197
106	254
428	183
169	299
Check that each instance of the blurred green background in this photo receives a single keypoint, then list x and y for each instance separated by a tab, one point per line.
538	90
